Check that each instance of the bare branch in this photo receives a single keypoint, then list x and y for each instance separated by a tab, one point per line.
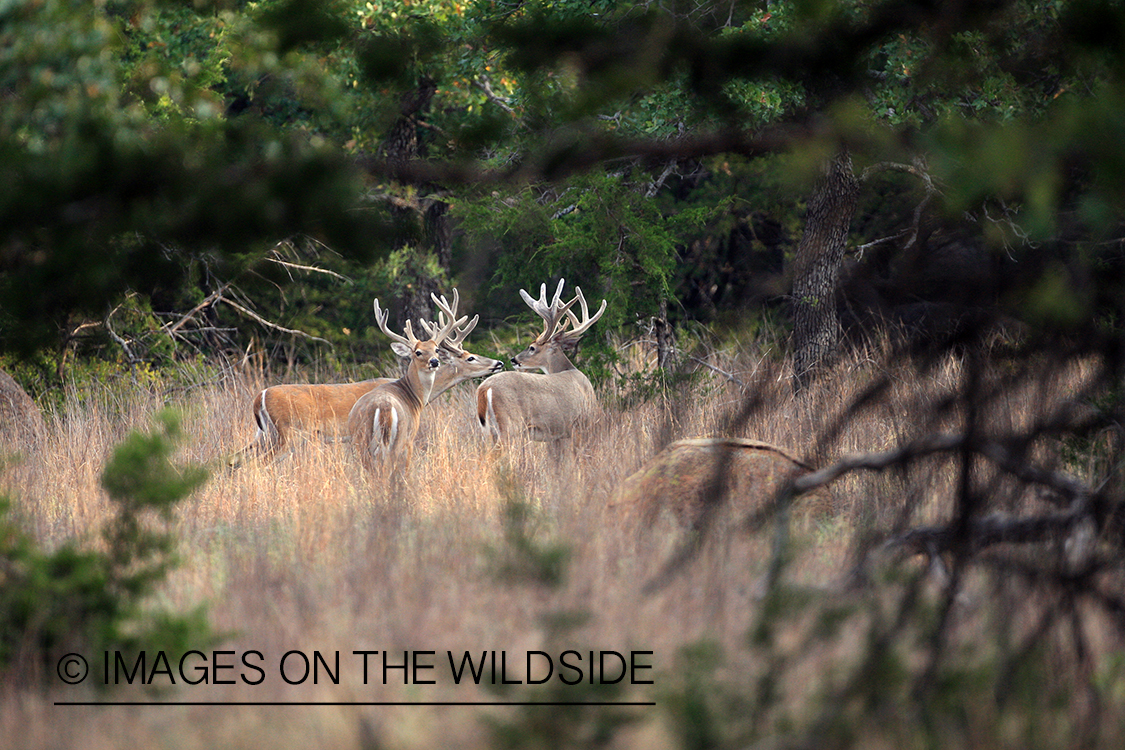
861	249
595	149
430	126
918	169
129	356
877	461
82	327
564	211
262	321
215	296
482	83
990	530
655	185
315	269
890	166
728	375
1074	491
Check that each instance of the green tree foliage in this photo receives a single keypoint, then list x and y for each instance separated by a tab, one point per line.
116	176
567	96
601	232
146	139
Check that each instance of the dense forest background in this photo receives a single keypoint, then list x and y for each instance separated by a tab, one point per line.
195	179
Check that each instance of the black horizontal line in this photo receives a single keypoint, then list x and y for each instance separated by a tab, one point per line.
355	703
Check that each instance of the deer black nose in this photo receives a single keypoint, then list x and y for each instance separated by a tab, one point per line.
434	363
515	361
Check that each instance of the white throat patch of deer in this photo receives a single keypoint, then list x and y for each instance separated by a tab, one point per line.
547	406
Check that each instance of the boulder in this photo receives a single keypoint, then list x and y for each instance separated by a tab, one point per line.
20	420
736	477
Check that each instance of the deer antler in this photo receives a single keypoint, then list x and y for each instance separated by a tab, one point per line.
381	318
440	335
552	314
453	343
579	328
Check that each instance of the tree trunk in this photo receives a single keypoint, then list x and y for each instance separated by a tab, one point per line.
439	233
816	330
419	282
427	218
402	144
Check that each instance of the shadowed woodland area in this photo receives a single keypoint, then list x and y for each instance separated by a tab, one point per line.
850	473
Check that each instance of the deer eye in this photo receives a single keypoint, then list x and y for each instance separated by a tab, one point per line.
472	359
531	348
419	354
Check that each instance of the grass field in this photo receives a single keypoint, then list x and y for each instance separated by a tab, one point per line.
307	553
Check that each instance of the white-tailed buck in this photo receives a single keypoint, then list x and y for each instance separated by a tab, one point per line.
282	411
383	423
544	406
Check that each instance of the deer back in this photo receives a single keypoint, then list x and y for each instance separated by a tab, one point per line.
545	407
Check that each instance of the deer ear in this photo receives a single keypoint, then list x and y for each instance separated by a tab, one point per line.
401	349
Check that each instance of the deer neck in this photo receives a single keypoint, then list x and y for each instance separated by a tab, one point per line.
558	362
447	376
416	385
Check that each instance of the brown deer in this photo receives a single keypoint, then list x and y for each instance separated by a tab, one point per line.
383	423
546	406
281	411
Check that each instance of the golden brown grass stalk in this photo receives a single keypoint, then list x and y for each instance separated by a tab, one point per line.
307	552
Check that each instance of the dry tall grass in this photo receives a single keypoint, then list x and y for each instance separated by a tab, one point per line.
306	552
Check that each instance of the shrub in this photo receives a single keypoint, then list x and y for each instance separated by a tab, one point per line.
74	599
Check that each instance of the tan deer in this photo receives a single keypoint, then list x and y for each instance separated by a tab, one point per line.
545	406
383	423
281	411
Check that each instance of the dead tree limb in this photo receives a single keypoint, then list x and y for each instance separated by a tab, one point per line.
130	357
268	324
1071	490
212	298
484	84
1076	526
312	269
930	444
988	531
917	169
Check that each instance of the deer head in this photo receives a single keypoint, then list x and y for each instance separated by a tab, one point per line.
549	351
423	356
463	365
